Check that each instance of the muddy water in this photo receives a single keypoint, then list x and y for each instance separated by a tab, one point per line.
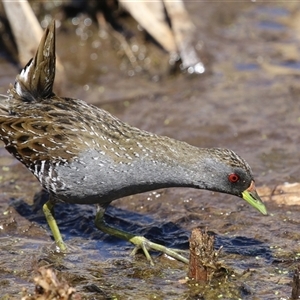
248	101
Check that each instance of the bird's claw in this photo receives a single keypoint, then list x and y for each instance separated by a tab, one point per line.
144	244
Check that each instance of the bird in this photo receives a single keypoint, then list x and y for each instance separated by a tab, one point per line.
82	154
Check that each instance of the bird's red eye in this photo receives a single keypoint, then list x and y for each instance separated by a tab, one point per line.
233	178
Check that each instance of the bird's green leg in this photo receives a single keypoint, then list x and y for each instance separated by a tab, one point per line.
140	242
49	214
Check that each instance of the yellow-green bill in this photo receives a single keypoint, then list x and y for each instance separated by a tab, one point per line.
251	196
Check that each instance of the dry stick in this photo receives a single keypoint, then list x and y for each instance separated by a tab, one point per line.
25	22
151	16
203	258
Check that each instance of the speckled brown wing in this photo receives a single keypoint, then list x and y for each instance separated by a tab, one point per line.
29	140
55	129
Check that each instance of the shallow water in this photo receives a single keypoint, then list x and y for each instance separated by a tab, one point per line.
247	101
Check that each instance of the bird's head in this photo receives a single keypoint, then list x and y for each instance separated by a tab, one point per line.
226	172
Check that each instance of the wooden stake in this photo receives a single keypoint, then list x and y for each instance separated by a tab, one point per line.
203	258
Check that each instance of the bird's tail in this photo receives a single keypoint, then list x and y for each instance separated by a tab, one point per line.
36	79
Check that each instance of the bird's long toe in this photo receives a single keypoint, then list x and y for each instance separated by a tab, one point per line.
145	245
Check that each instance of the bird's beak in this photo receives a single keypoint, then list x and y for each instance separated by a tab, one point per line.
251	196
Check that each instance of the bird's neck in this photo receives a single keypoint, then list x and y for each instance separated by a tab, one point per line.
175	164
162	162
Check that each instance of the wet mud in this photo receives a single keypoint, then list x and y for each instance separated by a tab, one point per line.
248	100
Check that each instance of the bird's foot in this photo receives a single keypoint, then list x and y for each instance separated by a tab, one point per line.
140	242
145	245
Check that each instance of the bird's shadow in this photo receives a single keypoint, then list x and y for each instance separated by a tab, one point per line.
78	220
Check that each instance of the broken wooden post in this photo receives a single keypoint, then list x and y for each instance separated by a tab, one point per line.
203	258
